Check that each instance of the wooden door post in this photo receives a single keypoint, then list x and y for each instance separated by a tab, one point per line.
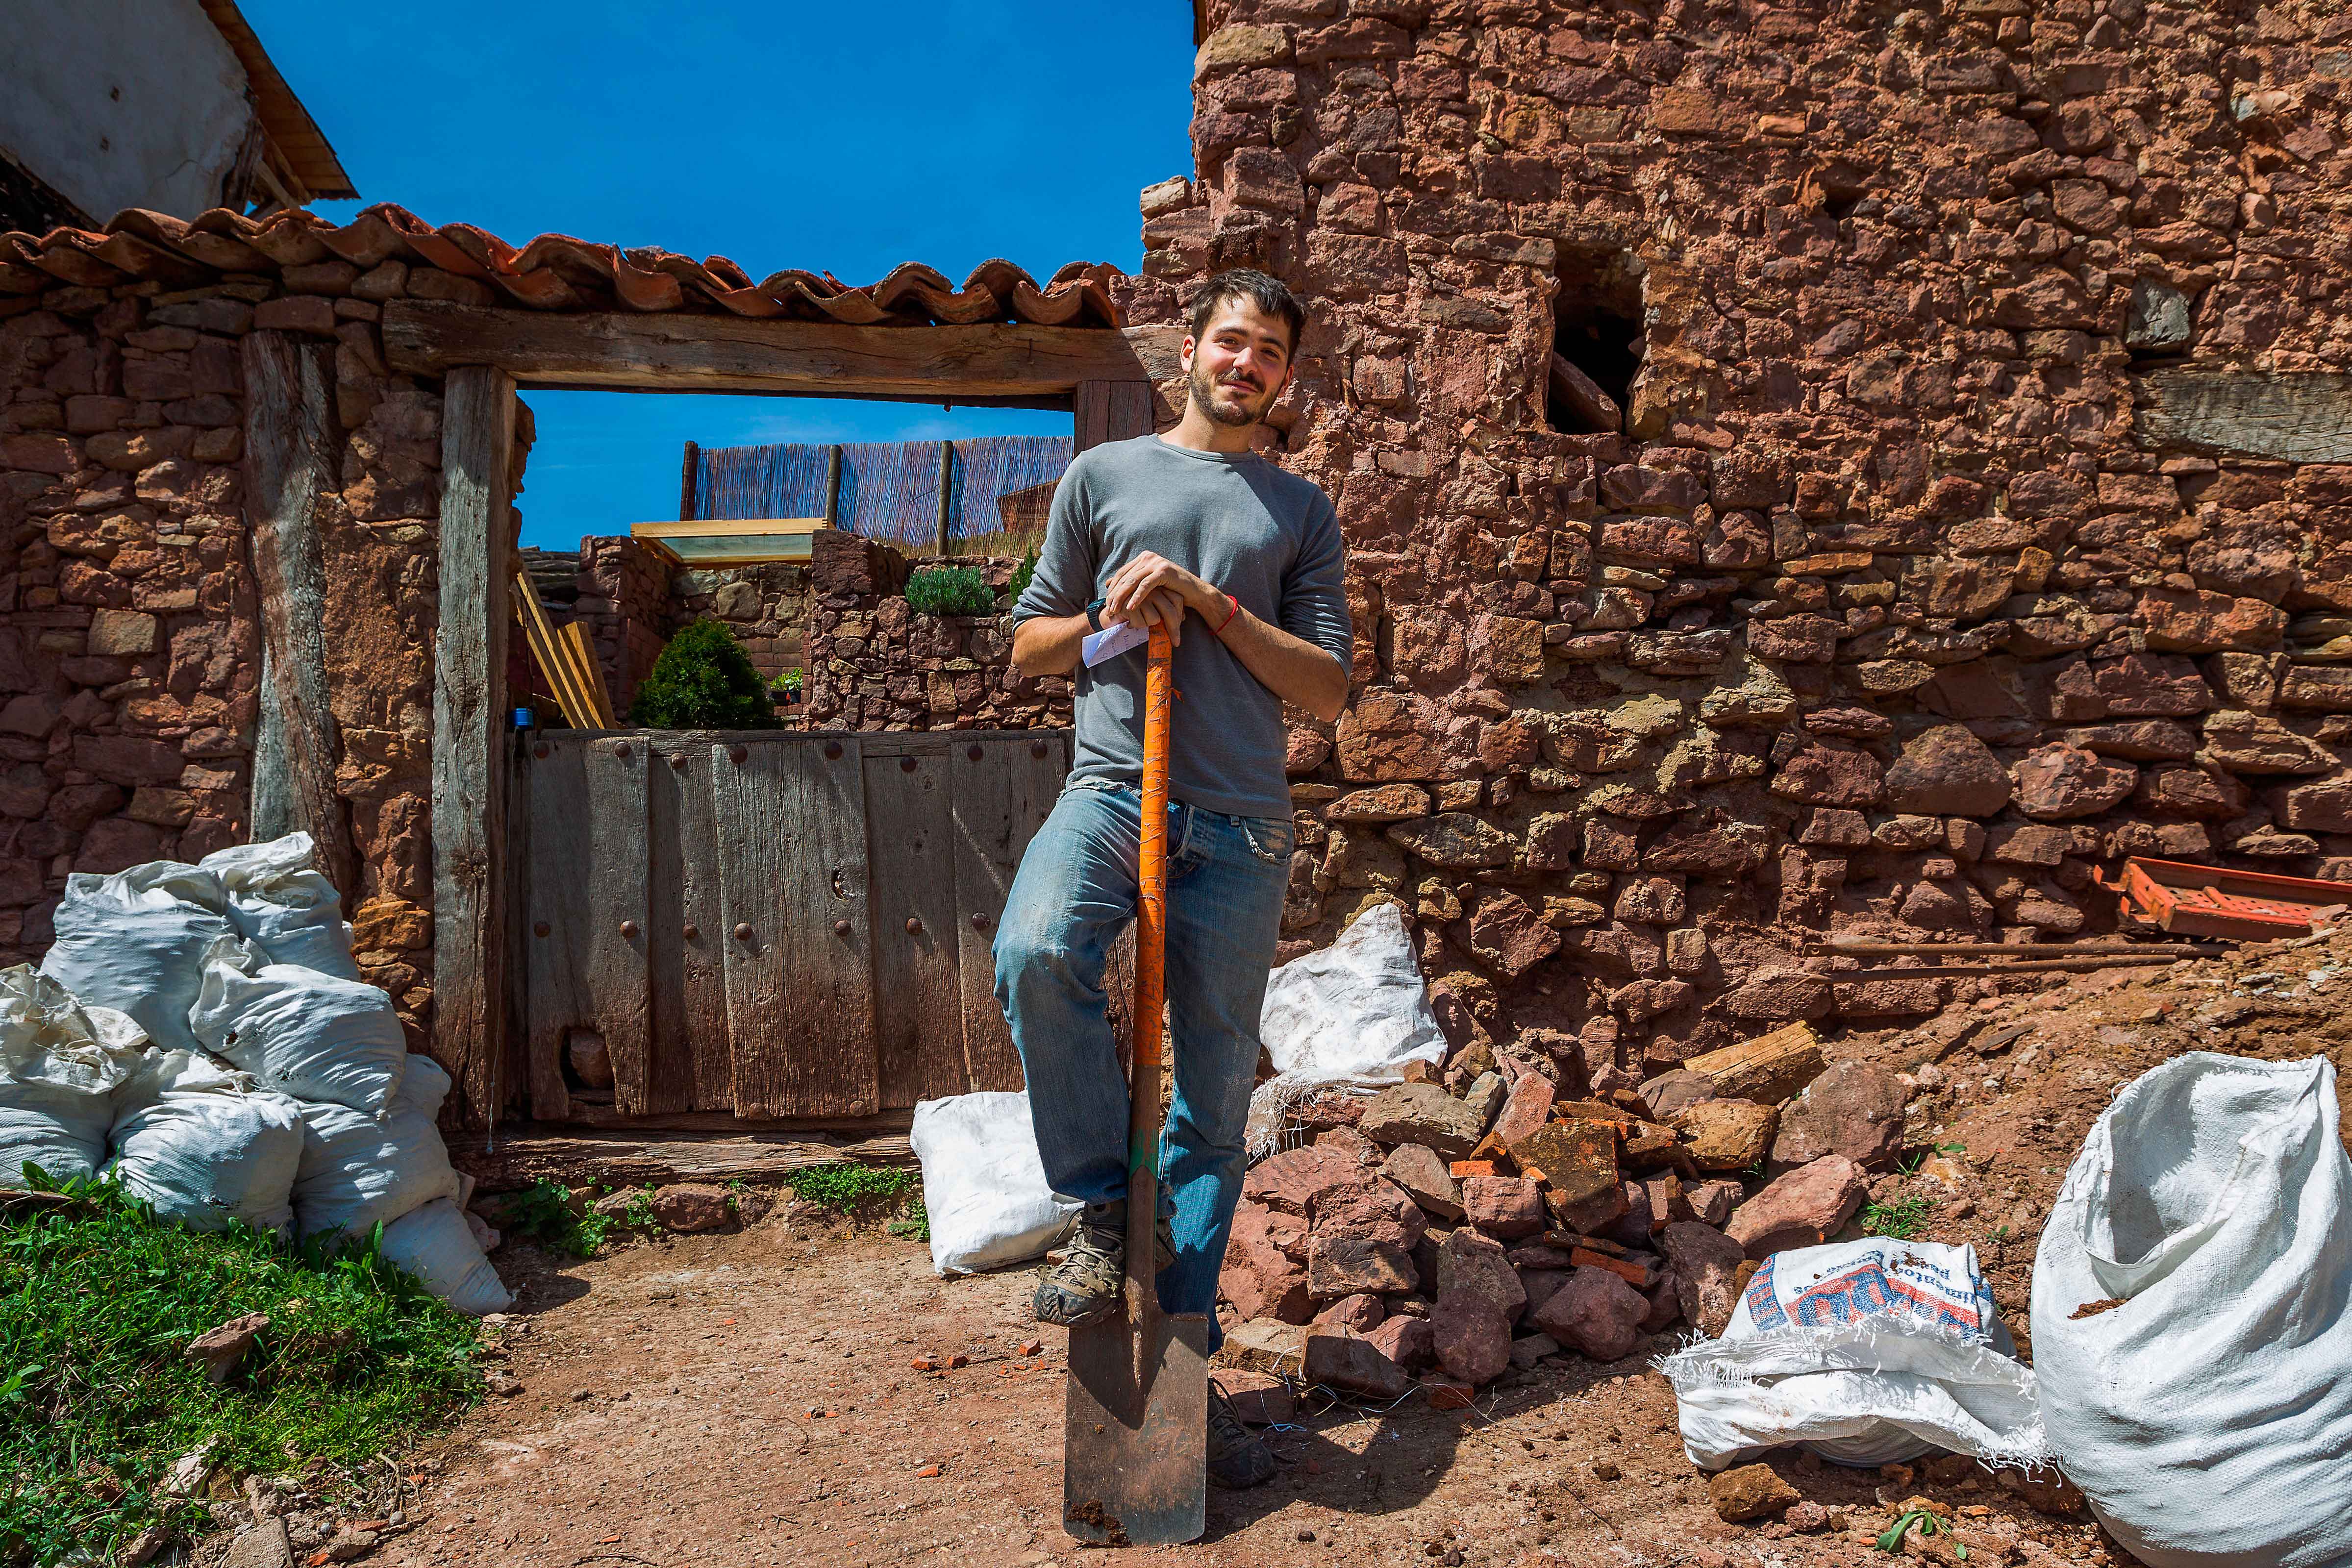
689	487
832	486
290	470
469	736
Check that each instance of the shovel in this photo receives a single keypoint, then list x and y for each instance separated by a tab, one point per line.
1136	1416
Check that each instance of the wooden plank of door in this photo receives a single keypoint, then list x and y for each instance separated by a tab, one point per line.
791	814
619	978
1003	788
556	1001
684	921
469	718
919	1035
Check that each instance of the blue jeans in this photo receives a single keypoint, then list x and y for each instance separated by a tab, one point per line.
1076	890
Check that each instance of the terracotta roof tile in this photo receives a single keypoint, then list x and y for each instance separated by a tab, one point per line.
553	272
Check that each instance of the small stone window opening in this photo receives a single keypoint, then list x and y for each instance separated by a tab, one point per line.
1597	343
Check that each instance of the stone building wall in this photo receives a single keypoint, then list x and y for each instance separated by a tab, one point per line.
1871	615
874	665
131	651
765	606
623	593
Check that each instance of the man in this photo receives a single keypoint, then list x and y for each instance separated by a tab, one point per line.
1241	561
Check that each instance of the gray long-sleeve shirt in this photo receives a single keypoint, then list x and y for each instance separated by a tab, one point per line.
1268	537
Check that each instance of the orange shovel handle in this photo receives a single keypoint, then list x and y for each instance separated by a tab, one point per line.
1150	981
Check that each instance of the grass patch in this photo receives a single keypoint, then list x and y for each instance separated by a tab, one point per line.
1900	1221
866	1193
97	1400
916	1225
542	1211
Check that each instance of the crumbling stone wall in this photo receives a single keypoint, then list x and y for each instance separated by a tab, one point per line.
1872	616
622	589
130	659
765	606
874	665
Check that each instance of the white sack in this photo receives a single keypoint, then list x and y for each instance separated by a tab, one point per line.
2209	1418
358	1169
136	940
280	901
204	1145
983	1184
1353	1013
1868	1353
303	1033
59	1064
435	1244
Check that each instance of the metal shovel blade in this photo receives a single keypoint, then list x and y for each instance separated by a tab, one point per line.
1135	1458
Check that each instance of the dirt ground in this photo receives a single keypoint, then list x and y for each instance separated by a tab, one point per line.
749	1399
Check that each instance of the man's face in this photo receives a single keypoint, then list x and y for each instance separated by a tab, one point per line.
1239	365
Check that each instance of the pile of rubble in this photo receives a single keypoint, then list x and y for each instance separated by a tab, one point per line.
1473	1218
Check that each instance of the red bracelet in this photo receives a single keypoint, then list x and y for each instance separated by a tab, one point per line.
1228	620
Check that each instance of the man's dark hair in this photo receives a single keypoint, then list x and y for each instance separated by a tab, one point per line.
1269	295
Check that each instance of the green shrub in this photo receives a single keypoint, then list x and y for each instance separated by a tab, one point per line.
542	1211
1022	573
950	591
98	1298
703	680
866	1193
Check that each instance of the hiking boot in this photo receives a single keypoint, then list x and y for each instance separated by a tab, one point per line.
1089	1280
1238	1458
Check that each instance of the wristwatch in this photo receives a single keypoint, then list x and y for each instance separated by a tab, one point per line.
1094	615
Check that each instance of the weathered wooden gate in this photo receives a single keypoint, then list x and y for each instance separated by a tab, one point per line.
771	926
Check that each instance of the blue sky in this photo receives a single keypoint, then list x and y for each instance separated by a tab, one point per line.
846	139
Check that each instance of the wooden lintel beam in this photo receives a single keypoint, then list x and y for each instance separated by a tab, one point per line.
675	352
2288	416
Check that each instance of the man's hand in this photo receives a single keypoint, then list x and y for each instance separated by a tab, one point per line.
1151	590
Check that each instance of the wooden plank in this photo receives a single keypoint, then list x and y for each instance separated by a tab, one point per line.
685	918
586	673
618	1158
919	1035
676	353
799	945
556	998
1594	409
470	665
291	442
1770	1067
1001	797
540	637
2294	417
612	882
1090	415
1132	407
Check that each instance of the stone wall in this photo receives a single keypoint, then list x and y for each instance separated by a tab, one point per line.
874	665
130	652
1870	615
765	606
623	596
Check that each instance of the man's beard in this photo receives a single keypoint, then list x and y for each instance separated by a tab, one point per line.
1202	389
